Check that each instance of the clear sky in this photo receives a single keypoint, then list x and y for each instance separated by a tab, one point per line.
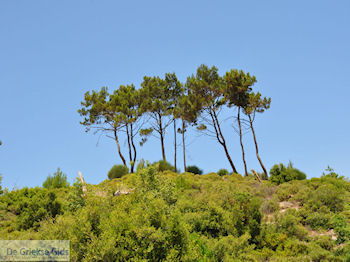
52	52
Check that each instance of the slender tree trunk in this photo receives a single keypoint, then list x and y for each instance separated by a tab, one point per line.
221	139
129	143
118	146
229	158
161	133
162	144
241	140
183	144
175	146
134	148
256	145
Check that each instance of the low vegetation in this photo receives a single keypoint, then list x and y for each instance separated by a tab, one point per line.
280	174
57	180
167	216
194	170
117	171
223	172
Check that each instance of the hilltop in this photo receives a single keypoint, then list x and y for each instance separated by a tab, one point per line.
165	216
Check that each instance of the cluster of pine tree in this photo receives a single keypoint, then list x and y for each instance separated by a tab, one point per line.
164	102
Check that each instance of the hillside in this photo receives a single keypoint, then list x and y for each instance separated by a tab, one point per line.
165	216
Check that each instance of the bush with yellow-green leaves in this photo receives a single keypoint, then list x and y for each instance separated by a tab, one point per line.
168	216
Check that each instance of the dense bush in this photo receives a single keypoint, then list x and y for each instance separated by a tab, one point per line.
31	206
280	174
57	180
185	217
330	173
163	166
269	206
75	197
223	172
117	171
194	170
326	196
317	220
142	164
341	225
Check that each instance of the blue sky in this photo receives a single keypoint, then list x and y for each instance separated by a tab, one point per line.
52	52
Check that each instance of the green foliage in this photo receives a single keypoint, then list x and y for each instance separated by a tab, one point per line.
287	190
144	134
31	206
57	180
341	225
238	85
326	196
161	101
112	112
280	174
117	171
142	164
289	224
163	165
75	197
229	247
194	170
330	173
269	206
185	217
223	172
317	220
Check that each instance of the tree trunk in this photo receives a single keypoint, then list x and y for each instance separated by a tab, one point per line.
241	140
118	146
221	139
229	158
256	145
162	144
161	133
132	164
129	143
175	146
183	144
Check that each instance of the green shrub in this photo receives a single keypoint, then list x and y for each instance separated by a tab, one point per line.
269	206
325	242
117	171
229	247
31	206
223	172
294	247
289	224
341	227
194	170
330	173
75	197
318	220
163	166
150	181
142	164
170	217
57	180
326	196
280	174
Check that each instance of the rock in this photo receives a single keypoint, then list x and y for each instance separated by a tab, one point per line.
123	192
